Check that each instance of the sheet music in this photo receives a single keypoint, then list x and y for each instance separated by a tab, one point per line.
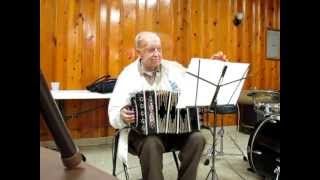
211	70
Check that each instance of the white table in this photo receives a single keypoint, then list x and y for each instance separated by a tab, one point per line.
78	94
60	95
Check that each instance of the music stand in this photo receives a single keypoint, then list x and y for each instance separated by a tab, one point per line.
213	106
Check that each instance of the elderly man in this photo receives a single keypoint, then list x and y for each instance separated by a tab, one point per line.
151	72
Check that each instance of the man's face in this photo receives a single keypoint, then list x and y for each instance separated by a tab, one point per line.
151	53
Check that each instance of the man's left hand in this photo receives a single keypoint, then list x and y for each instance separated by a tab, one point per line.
219	56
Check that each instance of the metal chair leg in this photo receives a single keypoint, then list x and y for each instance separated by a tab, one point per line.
114	153
175	159
125	169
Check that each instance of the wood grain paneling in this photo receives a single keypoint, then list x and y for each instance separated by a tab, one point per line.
81	40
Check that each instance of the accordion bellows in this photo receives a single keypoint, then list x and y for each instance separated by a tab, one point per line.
156	113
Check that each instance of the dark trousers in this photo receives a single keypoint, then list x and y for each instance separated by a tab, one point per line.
150	150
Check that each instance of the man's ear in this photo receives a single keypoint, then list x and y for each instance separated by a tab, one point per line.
138	52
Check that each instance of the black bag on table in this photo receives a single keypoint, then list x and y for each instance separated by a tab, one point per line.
104	84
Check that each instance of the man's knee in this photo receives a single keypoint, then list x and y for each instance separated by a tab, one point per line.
153	144
197	139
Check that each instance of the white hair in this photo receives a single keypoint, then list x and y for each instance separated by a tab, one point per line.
142	36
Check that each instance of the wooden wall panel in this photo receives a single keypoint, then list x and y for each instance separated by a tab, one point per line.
114	38
165	25
196	27
187	31
81	40
176	29
128	22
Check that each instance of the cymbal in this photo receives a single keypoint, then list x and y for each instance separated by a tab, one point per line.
266	96
256	93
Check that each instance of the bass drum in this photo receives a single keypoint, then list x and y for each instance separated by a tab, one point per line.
264	148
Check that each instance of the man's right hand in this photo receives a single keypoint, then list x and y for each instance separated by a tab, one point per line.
127	115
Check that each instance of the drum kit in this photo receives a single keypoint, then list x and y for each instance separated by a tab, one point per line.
263	148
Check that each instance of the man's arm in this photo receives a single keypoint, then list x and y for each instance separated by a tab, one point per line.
119	99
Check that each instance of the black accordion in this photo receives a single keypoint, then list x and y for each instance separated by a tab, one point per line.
156	113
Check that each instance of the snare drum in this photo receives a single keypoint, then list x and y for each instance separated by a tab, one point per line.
269	108
264	147
264	110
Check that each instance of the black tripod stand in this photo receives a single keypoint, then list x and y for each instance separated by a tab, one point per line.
213	107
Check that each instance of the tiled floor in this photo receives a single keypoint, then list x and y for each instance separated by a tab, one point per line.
228	167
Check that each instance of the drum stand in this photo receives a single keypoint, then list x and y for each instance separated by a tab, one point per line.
228	109
222	110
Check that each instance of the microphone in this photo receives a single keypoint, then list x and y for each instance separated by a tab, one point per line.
213	102
224	70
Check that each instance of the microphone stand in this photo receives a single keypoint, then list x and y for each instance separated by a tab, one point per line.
213	107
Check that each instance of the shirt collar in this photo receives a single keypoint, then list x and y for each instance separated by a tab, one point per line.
142	71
